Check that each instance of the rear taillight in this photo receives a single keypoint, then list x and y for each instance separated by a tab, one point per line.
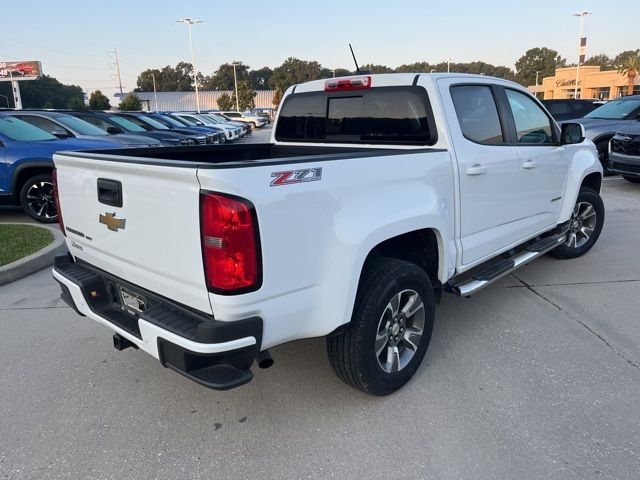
56	198
354	83
230	245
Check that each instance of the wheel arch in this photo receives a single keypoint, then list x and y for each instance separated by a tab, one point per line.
25	171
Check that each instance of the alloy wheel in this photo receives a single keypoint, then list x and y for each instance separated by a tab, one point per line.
399	331
40	200
581	225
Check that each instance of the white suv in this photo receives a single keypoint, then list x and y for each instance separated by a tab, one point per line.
255	120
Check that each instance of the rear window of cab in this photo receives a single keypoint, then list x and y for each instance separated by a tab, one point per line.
385	115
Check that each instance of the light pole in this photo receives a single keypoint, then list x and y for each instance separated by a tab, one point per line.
537	73
581	15
188	22
235	84
449	60
155	93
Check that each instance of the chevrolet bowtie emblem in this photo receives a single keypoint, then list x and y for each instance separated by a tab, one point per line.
112	223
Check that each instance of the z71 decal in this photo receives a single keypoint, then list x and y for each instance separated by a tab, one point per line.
296	176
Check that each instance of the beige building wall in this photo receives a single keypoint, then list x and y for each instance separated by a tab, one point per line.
592	83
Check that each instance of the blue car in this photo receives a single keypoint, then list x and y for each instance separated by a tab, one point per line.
26	163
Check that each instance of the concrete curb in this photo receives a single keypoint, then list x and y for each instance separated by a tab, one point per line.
36	261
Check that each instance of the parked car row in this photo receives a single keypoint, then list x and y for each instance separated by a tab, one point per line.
614	127
29	138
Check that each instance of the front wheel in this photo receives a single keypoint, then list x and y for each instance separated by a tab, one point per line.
390	328
585	226
631	179
36	198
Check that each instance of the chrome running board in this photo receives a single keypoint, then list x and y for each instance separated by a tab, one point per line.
496	270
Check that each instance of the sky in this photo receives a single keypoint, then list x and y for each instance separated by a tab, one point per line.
71	37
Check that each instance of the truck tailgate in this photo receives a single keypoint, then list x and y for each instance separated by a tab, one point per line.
156	245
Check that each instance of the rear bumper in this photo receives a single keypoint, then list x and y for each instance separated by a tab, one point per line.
624	164
213	353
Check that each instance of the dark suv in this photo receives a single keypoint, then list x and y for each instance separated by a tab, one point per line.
569	108
624	154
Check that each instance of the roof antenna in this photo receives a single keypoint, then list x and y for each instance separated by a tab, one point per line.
354	59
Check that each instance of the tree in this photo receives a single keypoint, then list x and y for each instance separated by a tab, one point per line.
603	61
77	104
46	92
259	79
169	79
222	79
277	97
369	67
542	60
417	67
620	59
294	71
630	68
130	103
225	102
99	101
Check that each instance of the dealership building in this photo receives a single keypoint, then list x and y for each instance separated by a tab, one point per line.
592	83
181	101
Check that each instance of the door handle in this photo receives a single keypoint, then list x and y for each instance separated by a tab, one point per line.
529	164
476	169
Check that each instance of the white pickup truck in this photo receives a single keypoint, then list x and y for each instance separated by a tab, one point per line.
376	194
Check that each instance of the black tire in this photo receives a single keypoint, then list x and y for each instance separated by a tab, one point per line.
603	155
631	179
571	249
36	198
352	353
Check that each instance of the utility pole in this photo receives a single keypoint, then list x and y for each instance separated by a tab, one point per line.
155	93
581	15
188	22
235	83
114	52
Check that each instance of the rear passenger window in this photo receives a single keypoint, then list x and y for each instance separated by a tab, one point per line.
477	113
390	115
532	124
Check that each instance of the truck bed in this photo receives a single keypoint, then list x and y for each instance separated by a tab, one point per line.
235	156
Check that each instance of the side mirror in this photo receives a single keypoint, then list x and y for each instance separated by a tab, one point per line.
572	133
111	130
199	123
60	133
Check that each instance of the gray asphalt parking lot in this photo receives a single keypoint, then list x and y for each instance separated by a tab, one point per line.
535	377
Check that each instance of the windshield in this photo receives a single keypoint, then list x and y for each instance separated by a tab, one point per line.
79	126
188	120
21	131
154	123
211	118
615	110
167	120
126	124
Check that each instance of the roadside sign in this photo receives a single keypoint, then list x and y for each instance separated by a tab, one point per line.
26	70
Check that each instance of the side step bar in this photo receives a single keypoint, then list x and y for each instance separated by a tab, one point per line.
506	266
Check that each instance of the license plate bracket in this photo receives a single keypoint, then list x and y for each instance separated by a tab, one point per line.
131	301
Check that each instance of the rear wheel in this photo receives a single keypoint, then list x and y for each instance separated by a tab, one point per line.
36	198
631	179
585	226
390	328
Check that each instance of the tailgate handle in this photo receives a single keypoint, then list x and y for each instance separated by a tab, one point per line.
110	192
